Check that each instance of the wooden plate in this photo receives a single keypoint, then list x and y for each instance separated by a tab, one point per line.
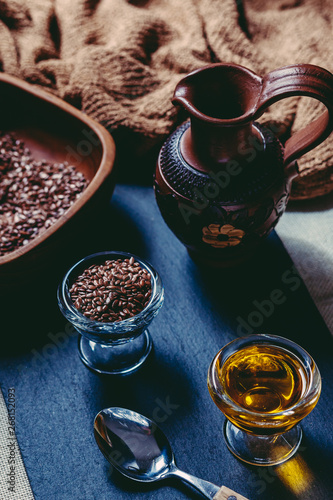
55	131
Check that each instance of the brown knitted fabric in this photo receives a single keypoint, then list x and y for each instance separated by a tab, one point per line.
119	60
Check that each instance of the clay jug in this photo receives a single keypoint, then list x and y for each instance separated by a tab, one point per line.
222	180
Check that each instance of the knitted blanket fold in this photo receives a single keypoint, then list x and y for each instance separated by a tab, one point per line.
120	60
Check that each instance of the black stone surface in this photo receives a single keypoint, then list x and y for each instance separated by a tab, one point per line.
57	397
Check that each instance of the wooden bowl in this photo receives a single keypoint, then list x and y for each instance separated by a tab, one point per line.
58	132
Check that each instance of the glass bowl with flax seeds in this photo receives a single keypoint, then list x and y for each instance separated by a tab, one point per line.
111	298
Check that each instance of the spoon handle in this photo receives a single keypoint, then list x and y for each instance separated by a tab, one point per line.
207	489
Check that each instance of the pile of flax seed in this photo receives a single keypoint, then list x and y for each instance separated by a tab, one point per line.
112	291
33	194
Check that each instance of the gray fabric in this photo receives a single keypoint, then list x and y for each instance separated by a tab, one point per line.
306	230
8	444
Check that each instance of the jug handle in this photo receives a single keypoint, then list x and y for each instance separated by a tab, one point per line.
296	80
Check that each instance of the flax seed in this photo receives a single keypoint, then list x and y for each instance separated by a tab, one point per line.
112	291
33	194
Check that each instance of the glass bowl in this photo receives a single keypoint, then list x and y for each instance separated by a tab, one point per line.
118	347
264	385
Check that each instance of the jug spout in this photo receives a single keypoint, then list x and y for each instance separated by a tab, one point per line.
220	93
221	101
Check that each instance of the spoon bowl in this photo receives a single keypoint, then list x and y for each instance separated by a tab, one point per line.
133	444
136	447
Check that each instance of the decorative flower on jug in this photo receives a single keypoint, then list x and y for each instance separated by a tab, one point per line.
222	236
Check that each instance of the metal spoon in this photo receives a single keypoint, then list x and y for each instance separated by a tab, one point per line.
137	448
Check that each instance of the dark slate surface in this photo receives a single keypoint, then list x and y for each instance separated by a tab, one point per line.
58	398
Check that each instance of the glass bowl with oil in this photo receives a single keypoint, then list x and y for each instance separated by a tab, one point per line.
265	385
